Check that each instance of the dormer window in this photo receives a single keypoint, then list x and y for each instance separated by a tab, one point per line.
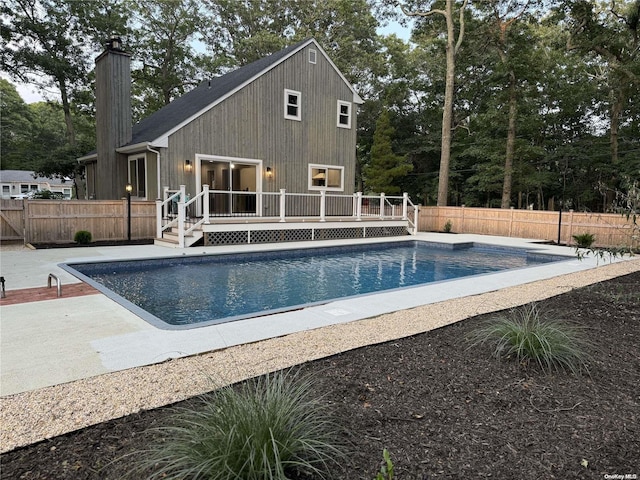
292	105
344	114
312	56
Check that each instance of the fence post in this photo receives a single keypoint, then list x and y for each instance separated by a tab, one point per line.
570	227
323	204
382	205
283	204
205	203
511	222
359	207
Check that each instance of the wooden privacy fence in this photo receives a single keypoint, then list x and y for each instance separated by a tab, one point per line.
610	230
11	220
57	221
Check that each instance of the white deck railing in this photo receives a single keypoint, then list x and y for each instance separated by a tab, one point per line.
178	211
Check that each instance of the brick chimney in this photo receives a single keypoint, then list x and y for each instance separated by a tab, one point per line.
113	119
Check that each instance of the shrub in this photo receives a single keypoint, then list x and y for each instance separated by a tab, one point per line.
264	428
528	338
47	195
82	237
448	226
584	240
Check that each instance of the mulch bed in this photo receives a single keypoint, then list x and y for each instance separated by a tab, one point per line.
442	410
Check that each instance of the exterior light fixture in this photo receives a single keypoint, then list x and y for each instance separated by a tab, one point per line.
187	166
269	172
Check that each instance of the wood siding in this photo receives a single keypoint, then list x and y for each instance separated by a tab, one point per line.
251	124
610	230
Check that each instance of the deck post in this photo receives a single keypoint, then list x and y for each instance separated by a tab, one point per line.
323	204
359	207
159	218
181	216
283	203
205	203
165	195
405	203
382	200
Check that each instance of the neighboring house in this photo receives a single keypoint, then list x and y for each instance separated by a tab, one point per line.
20	183
287	121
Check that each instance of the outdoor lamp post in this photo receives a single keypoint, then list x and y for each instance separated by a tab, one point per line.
129	189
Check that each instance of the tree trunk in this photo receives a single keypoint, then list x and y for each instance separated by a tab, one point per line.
616	109
66	108
447	113
511	142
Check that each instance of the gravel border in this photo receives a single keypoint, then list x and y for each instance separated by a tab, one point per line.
36	415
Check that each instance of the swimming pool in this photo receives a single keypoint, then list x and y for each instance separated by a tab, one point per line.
193	291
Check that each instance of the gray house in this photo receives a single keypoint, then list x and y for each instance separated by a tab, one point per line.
287	121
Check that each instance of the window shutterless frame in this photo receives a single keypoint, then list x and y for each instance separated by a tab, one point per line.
344	114
326	177
292	107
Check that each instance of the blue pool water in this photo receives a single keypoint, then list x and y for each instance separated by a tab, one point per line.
185	291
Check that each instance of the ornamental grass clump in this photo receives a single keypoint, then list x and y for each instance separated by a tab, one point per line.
265	428
527	337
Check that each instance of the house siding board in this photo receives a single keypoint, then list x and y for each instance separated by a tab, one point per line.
251	124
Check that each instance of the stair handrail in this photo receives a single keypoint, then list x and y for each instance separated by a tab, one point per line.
205	214
162	212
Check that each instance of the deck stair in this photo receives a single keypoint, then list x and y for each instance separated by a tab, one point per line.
170	238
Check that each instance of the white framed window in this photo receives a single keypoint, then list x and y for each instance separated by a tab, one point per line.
137	176
344	114
312	56
326	177
292	110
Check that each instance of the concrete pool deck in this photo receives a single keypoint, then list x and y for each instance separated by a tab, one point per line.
81	360
56	341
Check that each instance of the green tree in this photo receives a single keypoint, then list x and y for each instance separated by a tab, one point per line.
167	63
612	35
453	42
385	167
15	129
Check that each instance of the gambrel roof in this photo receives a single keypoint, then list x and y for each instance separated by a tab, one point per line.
155	129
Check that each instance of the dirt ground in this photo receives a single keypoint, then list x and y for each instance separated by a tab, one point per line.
441	409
